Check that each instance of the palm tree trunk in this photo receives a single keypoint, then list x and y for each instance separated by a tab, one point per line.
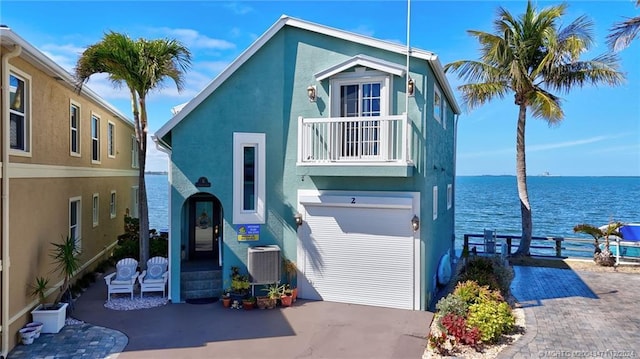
143	209
521	175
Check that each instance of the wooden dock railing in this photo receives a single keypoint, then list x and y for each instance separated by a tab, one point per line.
558	247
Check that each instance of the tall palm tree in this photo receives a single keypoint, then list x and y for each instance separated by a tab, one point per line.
622	33
531	56
140	65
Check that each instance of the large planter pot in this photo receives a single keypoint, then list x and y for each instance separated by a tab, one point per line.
52	319
286	300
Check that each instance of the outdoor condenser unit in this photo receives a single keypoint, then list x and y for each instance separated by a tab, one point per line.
264	264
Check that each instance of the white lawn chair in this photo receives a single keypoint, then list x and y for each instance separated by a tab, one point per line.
155	278
124	278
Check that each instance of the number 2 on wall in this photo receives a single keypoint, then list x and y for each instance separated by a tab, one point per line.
353	200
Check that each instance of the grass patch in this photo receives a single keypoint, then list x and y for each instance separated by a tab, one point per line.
538	262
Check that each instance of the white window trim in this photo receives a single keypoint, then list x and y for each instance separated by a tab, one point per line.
241	140
94	115
112	204
436	91
360	76
95	209
435	202
27	112
78	130
134	152
111	142
449	196
78	238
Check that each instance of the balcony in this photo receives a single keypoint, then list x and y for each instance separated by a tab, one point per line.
354	146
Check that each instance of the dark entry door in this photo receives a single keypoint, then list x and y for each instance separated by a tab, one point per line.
204	225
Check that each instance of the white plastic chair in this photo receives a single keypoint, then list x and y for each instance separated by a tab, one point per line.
123	279
155	277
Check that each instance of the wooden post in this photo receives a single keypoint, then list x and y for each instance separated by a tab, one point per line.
509	245
558	247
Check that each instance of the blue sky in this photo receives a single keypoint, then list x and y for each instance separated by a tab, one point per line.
600	134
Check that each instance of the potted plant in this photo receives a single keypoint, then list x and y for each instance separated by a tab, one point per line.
66	261
274	292
226	299
286	297
248	303
239	284
291	270
262	301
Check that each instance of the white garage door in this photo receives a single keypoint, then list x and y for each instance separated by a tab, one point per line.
358	250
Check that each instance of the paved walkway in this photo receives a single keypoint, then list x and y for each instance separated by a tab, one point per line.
577	314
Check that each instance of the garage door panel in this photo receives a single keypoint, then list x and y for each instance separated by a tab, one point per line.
359	256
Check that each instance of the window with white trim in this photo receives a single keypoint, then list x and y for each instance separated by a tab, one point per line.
75	215
364	95
112	205
111	138
445	112
95	205
449	196
74	129
134	152
19	112
435	202
437	104
95	138
134	202
249	181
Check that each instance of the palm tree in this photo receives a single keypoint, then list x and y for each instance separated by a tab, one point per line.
623	33
141	65
530	56
601	257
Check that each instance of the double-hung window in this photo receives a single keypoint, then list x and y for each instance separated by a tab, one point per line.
19	112
112	205
96	209
74	129
95	138
134	152
437	104
75	214
435	202
249	181
111	138
362	95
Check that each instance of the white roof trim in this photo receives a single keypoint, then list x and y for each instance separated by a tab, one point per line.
44	63
362	60
309	26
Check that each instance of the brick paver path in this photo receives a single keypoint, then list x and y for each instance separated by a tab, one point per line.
573	314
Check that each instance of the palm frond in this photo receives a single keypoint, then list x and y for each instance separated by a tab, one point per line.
547	106
623	33
477	94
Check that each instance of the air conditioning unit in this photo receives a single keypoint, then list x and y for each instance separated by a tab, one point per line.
264	264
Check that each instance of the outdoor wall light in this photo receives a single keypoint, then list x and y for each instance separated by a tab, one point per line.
410	87
311	93
415	223
298	218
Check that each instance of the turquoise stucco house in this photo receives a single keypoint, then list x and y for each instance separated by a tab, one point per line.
332	149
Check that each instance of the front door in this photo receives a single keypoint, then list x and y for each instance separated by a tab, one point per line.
204	228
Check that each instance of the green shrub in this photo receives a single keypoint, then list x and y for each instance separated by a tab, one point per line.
126	249
452	304
471	292
492	318
158	247
487	271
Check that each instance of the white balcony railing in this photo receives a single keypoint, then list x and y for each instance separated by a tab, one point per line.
352	139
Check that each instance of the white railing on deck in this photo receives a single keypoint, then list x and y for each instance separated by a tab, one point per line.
352	139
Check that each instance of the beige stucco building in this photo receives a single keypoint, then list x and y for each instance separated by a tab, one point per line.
69	167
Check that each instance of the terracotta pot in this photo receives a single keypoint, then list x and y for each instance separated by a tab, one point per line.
226	302
286	300
247	305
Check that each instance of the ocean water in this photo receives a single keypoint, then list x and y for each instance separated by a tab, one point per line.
491	202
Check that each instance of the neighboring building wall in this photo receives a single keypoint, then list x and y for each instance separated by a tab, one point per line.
44	181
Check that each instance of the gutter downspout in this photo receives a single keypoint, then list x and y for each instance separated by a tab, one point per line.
453	195
5	261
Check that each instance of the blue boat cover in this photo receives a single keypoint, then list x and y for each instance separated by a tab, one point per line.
630	232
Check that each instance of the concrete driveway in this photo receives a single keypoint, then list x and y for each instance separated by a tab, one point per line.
309	329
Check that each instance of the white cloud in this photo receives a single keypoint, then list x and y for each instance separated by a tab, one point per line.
193	39
156	159
239	8
64	55
214	67
364	30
